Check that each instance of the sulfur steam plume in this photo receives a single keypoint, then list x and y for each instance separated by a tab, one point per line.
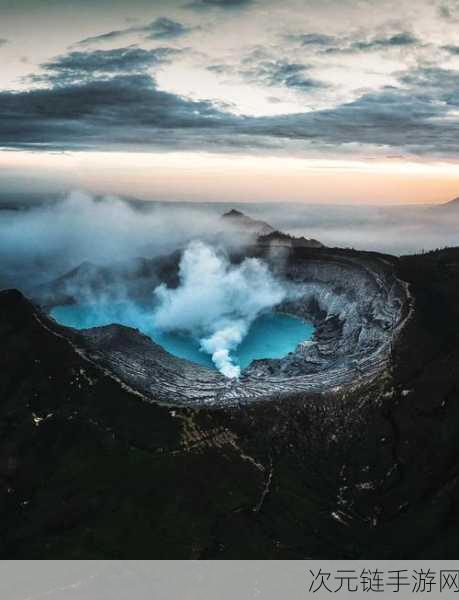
216	302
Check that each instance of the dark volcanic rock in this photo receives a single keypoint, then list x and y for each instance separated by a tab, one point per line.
89	469
279	239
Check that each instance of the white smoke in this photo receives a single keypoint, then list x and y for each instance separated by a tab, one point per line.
45	241
42	241
216	302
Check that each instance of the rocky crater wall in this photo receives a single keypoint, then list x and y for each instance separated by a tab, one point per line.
354	298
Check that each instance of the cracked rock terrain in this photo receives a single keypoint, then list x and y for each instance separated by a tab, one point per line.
94	464
356	300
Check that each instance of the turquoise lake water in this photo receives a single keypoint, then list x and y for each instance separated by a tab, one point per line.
272	335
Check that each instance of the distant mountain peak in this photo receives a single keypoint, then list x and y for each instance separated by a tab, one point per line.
454	203
234	213
245	223
266	234
278	238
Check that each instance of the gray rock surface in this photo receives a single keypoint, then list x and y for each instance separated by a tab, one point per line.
356	301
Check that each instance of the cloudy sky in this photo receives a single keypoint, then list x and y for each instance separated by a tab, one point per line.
244	100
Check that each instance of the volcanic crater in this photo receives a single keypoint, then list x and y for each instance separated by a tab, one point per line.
355	300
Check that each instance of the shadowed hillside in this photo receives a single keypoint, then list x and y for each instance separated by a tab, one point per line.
91	470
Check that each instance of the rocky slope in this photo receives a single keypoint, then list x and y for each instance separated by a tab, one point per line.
356	300
89	469
241	222
278	239
265	234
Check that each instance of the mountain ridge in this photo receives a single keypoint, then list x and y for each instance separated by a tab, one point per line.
451	204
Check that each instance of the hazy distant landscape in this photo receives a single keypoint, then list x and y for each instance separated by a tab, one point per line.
69	229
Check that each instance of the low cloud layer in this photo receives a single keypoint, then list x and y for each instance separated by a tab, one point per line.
216	302
393	230
119	261
46	241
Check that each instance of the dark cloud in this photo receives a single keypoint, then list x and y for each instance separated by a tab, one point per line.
313	39
451	49
436	85
83	65
258	67
164	28
282	73
444	12
224	4
411	119
159	29
103	37
328	44
124	110
3	42
103	98
113	109
220	69
394	41
449	11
